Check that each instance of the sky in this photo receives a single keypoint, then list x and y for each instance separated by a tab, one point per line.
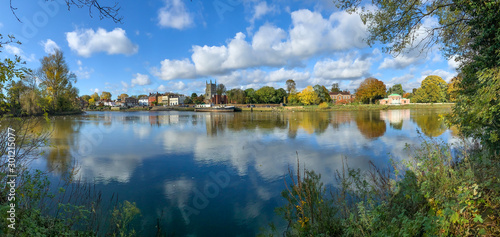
178	45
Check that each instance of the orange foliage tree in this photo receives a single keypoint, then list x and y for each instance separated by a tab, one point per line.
370	89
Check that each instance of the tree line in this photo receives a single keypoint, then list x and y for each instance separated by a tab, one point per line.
48	89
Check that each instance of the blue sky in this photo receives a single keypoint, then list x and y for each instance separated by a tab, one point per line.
177	45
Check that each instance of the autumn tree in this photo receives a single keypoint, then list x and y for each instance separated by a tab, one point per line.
290	86
95	96
57	80
121	97
453	88
105	95
370	89
308	96
432	90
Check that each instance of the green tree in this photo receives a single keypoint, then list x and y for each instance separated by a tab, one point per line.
188	100
250	96
322	93
290	86
221	89
308	96
369	90
236	96
56	80
396	89
194	95
280	96
266	94
105	95
86	98
453	88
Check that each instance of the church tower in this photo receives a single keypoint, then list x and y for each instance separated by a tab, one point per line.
210	91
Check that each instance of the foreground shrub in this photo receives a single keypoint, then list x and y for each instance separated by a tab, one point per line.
439	191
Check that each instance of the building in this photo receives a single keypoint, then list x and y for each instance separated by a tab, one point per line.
153	99
394	99
143	101
210	91
341	96
176	100
131	101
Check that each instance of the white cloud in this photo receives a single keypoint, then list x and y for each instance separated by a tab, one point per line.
452	63
174	15
259	10
49	46
345	68
83	72
162	88
283	75
141	80
447	76
310	35
87	42
9	48
96	90
175	69
400	80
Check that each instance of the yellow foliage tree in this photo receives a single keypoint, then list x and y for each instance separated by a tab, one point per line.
91	101
308	96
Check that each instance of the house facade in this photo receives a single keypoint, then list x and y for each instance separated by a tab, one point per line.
153	97
394	99
143	101
131	101
342	96
178	100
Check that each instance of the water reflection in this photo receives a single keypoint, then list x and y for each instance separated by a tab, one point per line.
370	124
167	158
429	122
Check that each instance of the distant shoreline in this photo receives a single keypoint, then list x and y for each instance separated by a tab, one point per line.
304	108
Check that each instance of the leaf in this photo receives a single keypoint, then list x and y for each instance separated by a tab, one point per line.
477	218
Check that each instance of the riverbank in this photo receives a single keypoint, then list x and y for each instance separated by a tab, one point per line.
351	107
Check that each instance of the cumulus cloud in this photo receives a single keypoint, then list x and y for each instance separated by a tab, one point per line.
174	15
400	80
141	80
345	68
310	35
283	75
447	76
175	69
87	42
49	46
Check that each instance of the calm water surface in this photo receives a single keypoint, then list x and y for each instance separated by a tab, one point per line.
207	174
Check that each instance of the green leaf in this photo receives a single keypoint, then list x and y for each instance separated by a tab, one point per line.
477	218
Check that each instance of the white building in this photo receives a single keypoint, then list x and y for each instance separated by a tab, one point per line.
143	101
176	100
